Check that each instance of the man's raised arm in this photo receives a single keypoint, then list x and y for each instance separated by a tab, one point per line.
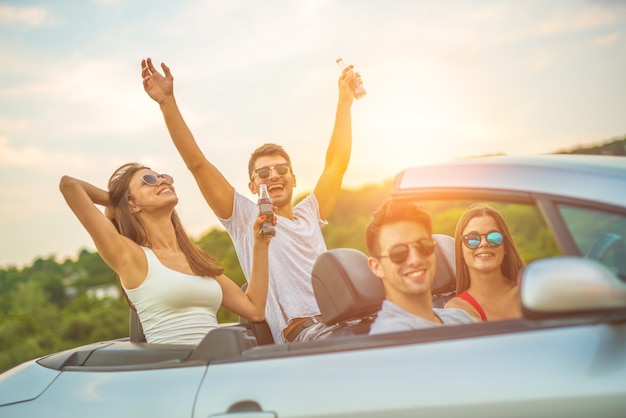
338	153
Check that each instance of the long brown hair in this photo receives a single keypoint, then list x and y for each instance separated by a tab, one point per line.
201	262
512	262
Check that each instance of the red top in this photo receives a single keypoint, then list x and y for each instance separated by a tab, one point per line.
467	297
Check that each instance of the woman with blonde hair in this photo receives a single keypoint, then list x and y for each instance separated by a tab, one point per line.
173	284
487	266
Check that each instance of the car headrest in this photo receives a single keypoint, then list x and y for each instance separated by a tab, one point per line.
344	286
346	289
445	276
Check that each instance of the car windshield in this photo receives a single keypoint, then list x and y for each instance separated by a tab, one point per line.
598	235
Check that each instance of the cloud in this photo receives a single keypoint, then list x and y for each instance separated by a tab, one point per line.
29	16
580	19
607	40
33	156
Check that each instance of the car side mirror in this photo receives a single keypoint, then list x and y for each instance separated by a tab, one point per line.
566	286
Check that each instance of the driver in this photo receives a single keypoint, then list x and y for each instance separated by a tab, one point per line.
402	254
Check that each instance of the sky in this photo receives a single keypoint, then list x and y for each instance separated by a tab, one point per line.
445	80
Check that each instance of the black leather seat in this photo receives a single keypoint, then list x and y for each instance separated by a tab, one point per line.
136	334
349	294
261	330
444	285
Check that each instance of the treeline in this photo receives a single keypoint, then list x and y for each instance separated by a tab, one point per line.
616	147
52	306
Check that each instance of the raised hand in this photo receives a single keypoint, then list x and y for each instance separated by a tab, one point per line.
347	78
258	237
159	87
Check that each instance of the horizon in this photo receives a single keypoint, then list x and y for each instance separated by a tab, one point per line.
74	257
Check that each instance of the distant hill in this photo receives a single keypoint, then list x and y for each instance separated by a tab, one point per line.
613	147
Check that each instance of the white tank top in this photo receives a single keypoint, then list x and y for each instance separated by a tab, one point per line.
174	307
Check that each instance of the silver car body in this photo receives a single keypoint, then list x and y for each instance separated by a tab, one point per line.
565	358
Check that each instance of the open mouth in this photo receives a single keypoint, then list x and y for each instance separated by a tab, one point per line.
275	188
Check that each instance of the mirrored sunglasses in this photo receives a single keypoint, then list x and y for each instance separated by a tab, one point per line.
494	239
264	172
399	253
152	180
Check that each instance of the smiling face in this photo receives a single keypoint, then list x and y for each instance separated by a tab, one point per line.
280	187
412	277
483	259
143	196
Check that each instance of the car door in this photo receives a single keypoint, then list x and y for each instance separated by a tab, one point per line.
514	368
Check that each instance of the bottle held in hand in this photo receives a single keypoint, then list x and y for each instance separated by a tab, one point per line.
266	207
355	83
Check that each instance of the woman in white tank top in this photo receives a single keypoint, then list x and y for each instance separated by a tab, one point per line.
174	285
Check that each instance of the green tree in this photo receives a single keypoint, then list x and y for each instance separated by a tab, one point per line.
27	331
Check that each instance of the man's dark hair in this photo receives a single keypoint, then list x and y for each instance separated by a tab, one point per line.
394	210
264	150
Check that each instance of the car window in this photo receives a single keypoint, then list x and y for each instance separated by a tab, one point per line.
532	236
599	235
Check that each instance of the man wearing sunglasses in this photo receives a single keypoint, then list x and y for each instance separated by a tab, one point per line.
402	254
291	305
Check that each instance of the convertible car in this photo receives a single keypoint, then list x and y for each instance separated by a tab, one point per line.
566	357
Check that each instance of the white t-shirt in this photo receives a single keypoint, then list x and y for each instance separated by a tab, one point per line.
174	307
292	253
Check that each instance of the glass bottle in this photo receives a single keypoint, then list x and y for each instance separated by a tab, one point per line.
266	207
355	83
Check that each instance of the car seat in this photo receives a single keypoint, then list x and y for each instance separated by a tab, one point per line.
135	330
261	330
349	294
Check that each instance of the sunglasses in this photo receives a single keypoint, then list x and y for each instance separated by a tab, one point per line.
399	253
152	180
264	172
494	239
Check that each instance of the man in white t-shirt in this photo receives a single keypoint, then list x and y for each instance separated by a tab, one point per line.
292	312
402	254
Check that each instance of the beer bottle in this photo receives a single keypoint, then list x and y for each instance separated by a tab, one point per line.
266	207
355	83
